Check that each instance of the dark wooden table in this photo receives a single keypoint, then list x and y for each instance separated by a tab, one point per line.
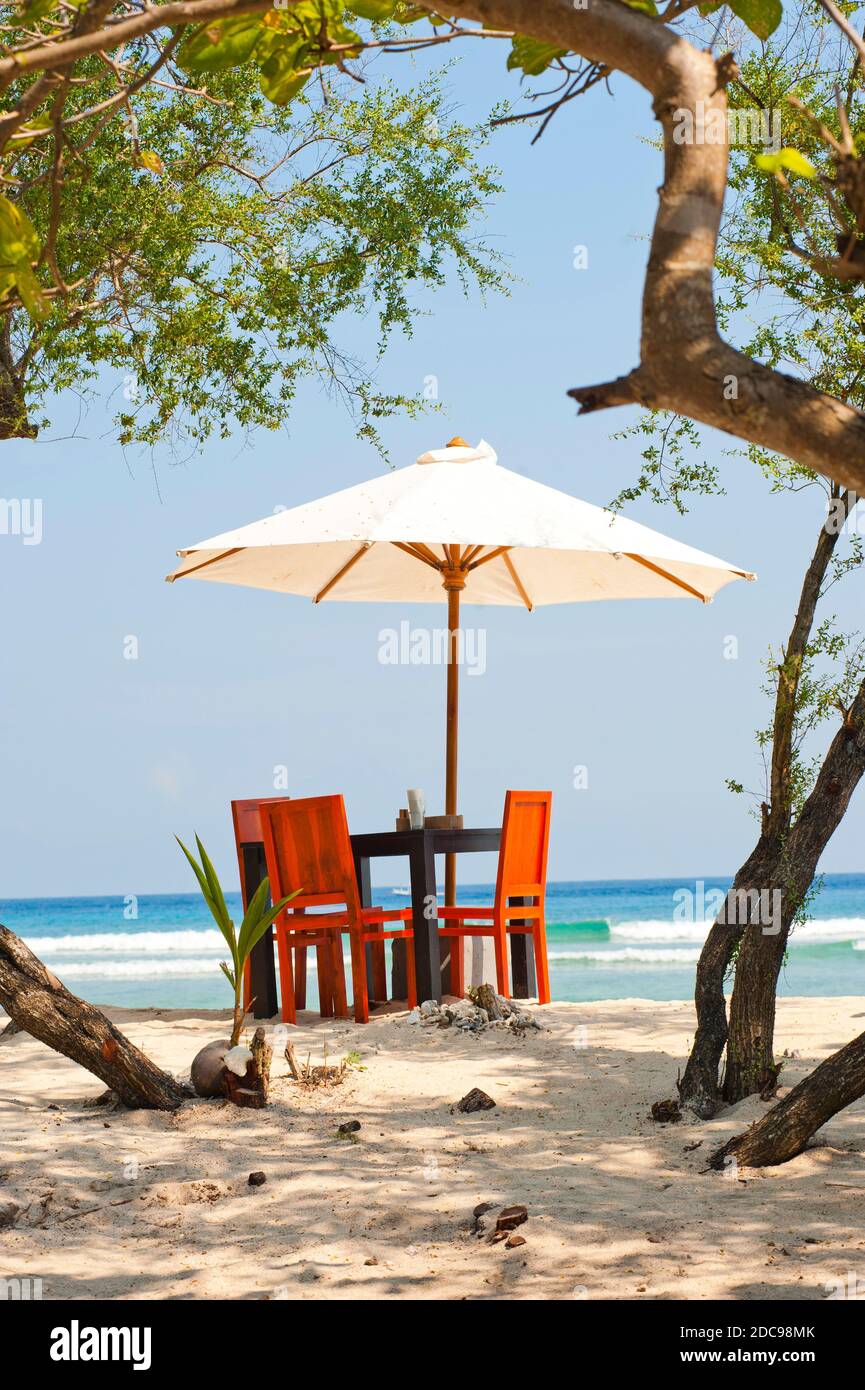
432	952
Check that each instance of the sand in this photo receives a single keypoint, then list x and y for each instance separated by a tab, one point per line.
141	1205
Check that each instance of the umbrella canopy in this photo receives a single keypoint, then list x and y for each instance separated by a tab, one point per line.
517	541
456	522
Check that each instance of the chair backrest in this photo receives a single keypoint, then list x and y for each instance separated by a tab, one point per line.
246	816
307	846
525	842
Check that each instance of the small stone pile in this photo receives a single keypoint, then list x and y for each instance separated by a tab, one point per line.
483	1009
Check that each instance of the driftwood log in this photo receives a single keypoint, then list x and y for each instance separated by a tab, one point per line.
784	1132
38	1003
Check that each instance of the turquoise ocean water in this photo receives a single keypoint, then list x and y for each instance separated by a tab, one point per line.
607	940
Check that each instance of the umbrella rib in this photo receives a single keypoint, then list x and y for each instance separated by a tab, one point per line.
518	583
665	574
224	555
427	553
341	573
416	554
493	555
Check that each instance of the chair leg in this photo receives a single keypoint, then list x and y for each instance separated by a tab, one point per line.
542	966
300	978
324	965
458	965
410	976
286	976
379	972
500	941
358	977
337	976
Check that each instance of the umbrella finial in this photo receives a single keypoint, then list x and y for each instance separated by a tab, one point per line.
458	443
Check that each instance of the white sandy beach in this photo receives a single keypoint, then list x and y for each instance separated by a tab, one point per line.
116	1204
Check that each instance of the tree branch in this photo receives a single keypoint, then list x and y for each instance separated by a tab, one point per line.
789	674
685	364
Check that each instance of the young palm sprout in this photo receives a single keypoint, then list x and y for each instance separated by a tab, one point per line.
256	920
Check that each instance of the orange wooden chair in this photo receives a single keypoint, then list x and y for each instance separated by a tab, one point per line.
522	873
246	816
307	846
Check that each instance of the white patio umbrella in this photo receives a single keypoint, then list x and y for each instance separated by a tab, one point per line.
456	521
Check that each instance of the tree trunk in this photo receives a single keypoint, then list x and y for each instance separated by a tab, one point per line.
784	1132
13	407
771	869
750	1063
38	1003
699	1088
750	1057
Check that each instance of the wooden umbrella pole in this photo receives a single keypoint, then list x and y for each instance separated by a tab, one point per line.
454	582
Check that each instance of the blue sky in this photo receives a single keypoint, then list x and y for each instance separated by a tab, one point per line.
104	758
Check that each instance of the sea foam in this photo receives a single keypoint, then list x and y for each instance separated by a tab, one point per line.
829	929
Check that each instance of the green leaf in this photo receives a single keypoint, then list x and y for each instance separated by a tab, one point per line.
214	884
7	280
255	935
376	10
761	16
26	134
18	238
644	6
220	915
228	974
31	294
258	917
788	159
37	9
19	248
281	79
269	917
149	159
252	918
202	881
307	17
214	47
310	13
533	56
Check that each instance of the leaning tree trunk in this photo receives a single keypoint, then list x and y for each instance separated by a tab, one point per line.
43	1007
784	1132
750	1043
750	1063
699	1089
